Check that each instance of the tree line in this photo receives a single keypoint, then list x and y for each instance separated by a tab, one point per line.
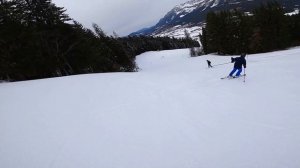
266	29
39	40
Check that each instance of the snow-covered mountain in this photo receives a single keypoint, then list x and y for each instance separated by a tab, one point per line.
173	113
191	15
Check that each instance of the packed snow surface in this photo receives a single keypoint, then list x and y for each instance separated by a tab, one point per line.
173	113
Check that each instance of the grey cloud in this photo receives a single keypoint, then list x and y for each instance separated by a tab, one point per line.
121	16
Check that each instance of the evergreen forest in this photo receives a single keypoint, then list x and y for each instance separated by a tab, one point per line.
40	40
266	29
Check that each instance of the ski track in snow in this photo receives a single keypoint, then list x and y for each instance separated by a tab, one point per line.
173	113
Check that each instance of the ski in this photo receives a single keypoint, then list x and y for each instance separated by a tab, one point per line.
233	77
226	77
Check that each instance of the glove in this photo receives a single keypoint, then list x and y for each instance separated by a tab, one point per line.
232	60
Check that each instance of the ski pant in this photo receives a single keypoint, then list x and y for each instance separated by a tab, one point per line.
234	70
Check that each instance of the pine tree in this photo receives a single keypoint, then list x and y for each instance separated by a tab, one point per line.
203	40
294	27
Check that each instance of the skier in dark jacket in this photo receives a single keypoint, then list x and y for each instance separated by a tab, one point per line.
238	63
209	64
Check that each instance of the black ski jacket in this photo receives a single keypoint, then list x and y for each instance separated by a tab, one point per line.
239	62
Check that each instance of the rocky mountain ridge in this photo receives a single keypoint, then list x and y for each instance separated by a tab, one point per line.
191	15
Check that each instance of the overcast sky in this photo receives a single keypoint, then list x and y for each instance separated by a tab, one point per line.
121	16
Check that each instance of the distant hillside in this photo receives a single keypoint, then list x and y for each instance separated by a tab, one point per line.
192	14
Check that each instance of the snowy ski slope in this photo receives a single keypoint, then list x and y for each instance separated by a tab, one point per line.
173	113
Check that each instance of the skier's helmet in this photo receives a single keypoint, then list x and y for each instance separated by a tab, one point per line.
243	54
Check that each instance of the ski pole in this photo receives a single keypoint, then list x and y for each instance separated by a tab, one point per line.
222	64
244	75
